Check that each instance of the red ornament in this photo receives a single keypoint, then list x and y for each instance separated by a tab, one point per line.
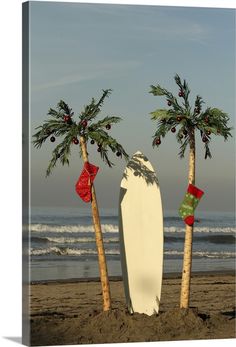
108	126
204	139
75	141
67	118
52	139
169	103
208	132
158	141
179	118
181	94
206	120
173	130
84	123
118	154
92	142
99	149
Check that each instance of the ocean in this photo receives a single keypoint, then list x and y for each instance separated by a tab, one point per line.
62	243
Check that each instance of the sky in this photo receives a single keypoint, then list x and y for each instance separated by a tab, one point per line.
77	50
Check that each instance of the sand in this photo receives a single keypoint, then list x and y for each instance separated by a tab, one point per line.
70	312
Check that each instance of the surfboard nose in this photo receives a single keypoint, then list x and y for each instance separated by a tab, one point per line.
138	153
139	156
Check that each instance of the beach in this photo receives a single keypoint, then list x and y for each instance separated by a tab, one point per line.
66	299
70	312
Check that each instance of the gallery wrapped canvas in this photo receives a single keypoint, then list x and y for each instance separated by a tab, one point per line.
128	173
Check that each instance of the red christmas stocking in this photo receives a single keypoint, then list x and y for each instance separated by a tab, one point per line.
85	181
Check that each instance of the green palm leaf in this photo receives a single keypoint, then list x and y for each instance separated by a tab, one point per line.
71	131
209	122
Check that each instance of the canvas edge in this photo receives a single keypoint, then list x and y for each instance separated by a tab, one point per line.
25	176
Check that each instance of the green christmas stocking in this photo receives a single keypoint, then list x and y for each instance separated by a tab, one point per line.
189	204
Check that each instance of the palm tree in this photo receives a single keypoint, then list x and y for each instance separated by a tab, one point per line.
189	120
62	123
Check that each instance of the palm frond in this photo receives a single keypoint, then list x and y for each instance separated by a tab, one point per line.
211	121
157	90
160	114
105	158
40	137
183	147
198	103
63	106
61	125
105	141
185	89
61	152
104	122
162	130
92	110
207	151
54	113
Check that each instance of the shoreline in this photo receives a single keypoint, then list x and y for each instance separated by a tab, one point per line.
169	275
70	312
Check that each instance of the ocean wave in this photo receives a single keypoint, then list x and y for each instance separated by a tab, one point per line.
203	254
106	228
63	240
113	228
216	239
226	230
69	251
89	252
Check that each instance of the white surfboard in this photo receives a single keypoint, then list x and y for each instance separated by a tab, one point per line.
141	236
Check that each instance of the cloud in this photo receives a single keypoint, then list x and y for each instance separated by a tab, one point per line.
90	72
170	25
65	80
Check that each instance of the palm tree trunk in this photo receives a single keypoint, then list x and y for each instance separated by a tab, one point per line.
99	239
187	261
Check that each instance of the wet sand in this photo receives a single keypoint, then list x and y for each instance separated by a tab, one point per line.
70	312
